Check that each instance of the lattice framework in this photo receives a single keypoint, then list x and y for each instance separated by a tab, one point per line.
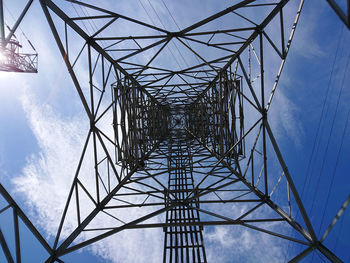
152	122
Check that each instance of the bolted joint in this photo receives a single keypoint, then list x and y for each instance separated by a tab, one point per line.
93	126
264	114
259	29
174	34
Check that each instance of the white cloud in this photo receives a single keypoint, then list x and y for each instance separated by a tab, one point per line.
306	44
240	244
284	119
47	177
284	111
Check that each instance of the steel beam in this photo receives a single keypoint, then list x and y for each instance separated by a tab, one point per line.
18	21
344	16
25	219
183	121
5	248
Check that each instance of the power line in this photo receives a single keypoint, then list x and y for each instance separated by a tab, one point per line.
307	177
160	20
330	134
171	15
20	28
337	159
153	22
76	11
178	27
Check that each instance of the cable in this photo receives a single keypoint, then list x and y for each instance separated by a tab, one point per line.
93	25
322	115
86	14
152	21
337	159
330	134
160	20
307	174
187	42
91	21
76	11
20	28
171	15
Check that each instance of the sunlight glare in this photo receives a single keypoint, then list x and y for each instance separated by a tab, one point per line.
2	57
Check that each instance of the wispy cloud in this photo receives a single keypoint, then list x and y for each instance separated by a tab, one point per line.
241	244
47	177
285	112
284	119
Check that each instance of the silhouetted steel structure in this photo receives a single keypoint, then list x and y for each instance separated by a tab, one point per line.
11	59
343	15
178	144
18	217
183	236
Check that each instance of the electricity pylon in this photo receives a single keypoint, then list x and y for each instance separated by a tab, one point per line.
177	146
20	220
11	57
181	142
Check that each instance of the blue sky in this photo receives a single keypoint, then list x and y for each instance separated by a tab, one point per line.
37	110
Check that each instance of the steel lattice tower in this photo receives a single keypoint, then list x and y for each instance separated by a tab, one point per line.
12	58
183	141
172	147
